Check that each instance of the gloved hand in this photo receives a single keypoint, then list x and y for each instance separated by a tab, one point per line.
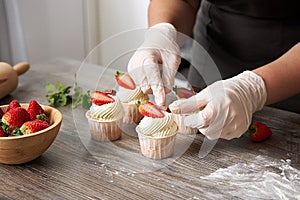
154	65
228	106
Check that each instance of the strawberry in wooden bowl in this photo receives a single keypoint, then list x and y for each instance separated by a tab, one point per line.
26	131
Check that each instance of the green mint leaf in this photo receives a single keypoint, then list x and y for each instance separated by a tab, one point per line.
62	100
86	101
59	86
60	95
50	88
66	90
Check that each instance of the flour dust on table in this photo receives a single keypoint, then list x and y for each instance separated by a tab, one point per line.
261	178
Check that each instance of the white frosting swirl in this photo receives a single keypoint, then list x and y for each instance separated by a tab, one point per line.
107	112
158	127
131	96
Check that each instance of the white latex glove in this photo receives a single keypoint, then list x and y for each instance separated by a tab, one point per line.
154	65
229	105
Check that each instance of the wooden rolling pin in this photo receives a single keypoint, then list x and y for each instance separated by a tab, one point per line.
9	77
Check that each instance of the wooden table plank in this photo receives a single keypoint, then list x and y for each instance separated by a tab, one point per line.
68	171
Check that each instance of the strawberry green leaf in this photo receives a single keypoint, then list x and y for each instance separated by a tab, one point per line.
16	132
5	128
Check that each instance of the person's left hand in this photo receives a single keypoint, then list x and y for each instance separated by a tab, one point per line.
154	64
227	105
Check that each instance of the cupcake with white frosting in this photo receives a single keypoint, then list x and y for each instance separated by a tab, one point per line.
129	99
105	117
183	93
156	132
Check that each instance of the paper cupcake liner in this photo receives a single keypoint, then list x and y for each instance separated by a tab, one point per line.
156	148
179	119
131	114
103	130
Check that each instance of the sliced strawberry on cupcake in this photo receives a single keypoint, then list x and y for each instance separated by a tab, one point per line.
33	126
99	98
110	92
150	110
13	104
13	118
125	80
36	111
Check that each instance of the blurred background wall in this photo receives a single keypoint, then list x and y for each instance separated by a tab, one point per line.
71	28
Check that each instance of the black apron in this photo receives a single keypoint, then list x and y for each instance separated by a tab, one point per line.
243	35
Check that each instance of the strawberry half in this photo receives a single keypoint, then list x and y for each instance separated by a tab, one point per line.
15	118
259	132
125	80
100	98
149	109
184	93
33	126
36	111
13	104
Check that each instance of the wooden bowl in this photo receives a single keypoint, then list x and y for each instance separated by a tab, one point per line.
25	148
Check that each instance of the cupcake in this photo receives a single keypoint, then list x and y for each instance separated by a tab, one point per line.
129	99
156	132
105	117
183	129
129	95
183	93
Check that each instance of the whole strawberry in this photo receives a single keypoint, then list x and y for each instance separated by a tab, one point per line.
149	109
259	132
13	104
14	118
2	133
33	126
36	111
1	113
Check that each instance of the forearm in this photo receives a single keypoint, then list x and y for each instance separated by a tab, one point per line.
282	77
180	13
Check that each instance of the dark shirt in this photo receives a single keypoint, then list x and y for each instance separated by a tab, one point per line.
242	35
261	8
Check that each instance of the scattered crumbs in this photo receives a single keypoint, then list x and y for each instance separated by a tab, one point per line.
117	172
194	197
131	174
122	169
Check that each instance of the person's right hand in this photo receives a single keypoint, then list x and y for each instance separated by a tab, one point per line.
227	105
158	49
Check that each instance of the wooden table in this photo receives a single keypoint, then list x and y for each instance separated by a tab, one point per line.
73	168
